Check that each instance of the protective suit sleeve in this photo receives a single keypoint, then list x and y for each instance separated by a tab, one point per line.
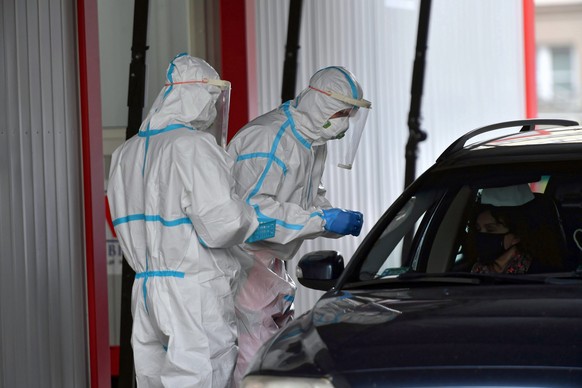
220	218
320	200
258	182
292	221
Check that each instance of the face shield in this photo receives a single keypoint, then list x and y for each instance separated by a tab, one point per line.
220	92
348	123
220	126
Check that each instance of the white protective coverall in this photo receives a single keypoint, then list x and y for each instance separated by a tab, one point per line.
279	162
172	198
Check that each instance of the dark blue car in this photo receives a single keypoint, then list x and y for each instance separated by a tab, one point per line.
422	304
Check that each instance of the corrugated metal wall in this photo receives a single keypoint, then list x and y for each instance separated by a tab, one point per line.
473	78
42	278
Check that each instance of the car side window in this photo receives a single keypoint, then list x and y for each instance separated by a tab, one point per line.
433	230
449	226
390	250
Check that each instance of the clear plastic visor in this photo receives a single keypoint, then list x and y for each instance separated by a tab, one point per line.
219	127
356	123
356	117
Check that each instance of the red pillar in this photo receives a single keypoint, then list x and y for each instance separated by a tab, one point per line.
531	99
234	61
92	159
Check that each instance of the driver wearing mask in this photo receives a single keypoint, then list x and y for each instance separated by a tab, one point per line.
505	238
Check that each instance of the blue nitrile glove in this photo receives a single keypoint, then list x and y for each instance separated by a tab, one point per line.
343	221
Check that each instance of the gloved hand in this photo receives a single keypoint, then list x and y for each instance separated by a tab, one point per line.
343	221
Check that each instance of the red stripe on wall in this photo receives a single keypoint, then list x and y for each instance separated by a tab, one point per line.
251	41
234	61
94	207
531	98
114	351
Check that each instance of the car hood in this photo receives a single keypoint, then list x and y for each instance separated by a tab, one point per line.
459	327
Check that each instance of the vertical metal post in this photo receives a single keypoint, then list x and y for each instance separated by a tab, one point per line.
415	133
291	49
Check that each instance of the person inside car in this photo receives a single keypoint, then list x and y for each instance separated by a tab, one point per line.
507	238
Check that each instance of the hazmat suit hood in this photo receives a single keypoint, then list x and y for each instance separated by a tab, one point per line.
312	109
182	101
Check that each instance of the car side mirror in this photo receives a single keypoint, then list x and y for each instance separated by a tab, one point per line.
319	270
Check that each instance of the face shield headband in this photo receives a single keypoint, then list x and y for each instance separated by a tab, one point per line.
219	127
351	123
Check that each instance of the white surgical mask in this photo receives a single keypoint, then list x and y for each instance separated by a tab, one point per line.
335	128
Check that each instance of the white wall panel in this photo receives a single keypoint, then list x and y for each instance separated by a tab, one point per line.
42	286
473	77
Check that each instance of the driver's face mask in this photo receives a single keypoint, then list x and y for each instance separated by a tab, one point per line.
489	246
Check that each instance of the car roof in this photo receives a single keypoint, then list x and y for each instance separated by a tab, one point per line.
559	140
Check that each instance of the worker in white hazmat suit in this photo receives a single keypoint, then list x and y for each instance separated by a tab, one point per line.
279	162
173	205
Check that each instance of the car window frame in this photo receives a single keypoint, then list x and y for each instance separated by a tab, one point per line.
525	170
